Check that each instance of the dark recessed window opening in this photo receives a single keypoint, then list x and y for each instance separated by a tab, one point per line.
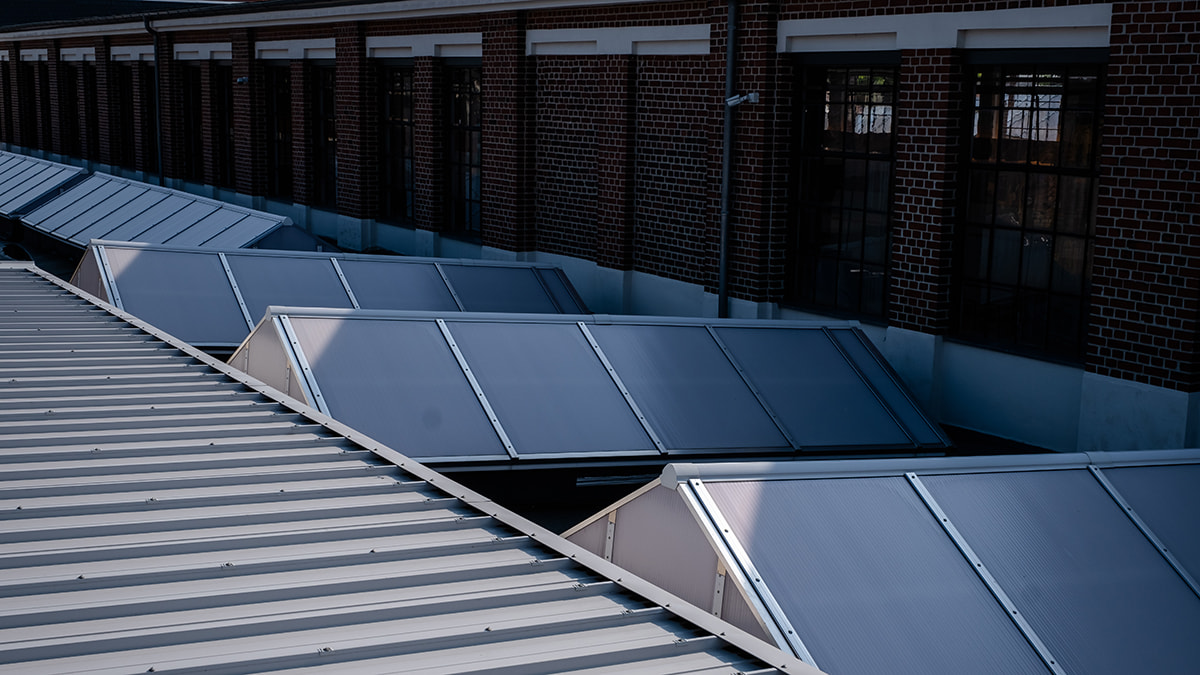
124	152
465	149
192	90
842	189
277	87
1025	245
222	121
396	144
68	109
323	90
148	113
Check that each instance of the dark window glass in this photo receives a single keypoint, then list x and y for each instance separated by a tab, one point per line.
28	111
842	189
148	112
192	93
124	151
1024	248
43	86
277	86
395	144
323	89
222	120
465	147
6	128
91	132
68	108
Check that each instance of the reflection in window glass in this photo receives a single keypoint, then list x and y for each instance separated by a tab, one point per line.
1024	249
842	189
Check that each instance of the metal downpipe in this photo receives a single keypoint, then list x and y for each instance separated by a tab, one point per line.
727	162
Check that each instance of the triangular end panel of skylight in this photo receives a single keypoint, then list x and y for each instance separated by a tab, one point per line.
108	207
26	180
556	387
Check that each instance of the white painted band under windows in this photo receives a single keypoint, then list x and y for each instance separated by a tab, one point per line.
1033	28
668	40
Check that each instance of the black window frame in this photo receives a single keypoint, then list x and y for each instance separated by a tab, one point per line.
464	148
397	185
1022	267
839	250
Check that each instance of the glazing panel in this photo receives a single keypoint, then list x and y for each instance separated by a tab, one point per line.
134	207
22	190
177	222
888	386
498	289
1093	588
281	280
805	380
242	233
134	227
686	387
869	580
185	294
1167	499
398	382
549	389
560	288
69	204
397	285
212	224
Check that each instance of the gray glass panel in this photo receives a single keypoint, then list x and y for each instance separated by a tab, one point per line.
16	193
560	289
686	387
177	222
1167	499
243	233
1092	587
101	228
397	285
398	382
134	227
549	389
869	580
71	203
818	397
888	387
206	228
185	294
98	212
498	289
279	280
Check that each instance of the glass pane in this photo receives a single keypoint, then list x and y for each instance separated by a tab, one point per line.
1091	586
1035	261
279	280
1075	204
483	288
976	253
1166	499
686	388
1040	201
817	396
186	294
1010	199
1006	256
1070	258
550	391
398	382
397	285
982	204
869	580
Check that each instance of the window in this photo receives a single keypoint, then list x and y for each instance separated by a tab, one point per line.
322	94
277	86
124	150
192	92
6	126
222	121
465	148
91	131
842	189
396	144
28	111
1024	250
68	114
148	114
43	85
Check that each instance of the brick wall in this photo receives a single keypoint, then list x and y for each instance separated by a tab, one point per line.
507	190
358	175
1146	276
429	123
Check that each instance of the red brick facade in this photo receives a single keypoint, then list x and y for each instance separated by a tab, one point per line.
616	158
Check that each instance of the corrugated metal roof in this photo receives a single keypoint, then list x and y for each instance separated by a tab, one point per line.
163	512
1052	563
24	180
213	298
486	388
108	207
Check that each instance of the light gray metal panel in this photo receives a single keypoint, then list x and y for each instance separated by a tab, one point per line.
1087	581
548	389
889	387
686	388
185	294
206	228
868	579
69	205
592	537
1167	499
177	222
398	382
398	285
243	233
132	229
27	186
279	280
483	288
143	201
99	212
818	397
